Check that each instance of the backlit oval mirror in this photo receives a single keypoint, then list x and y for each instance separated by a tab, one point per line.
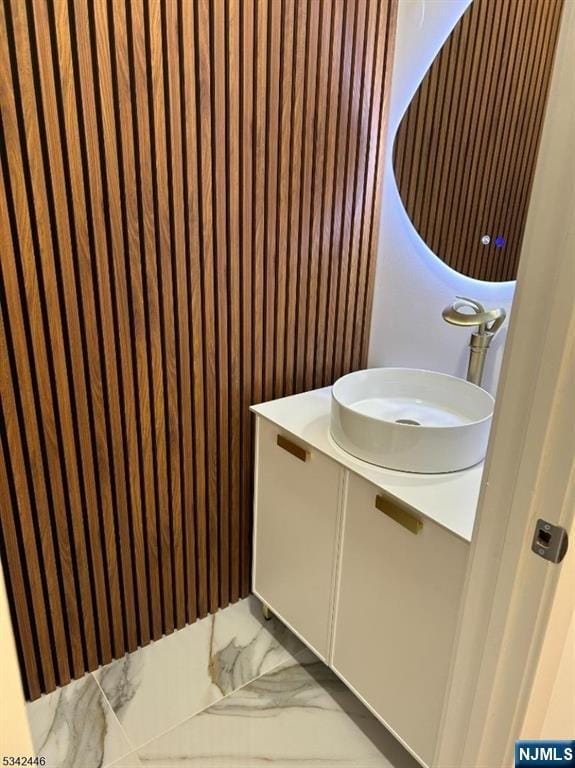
464	155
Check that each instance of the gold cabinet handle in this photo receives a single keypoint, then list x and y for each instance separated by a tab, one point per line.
293	448
399	514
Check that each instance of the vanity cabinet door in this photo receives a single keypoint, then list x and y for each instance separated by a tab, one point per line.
297	497
396	613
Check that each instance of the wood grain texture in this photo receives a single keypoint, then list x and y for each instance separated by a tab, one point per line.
466	148
188	201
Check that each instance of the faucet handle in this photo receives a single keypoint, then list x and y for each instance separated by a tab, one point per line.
451	313
463	301
479	317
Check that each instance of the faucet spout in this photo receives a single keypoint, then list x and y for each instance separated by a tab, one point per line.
487	322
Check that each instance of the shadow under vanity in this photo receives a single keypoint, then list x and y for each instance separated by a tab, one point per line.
364	564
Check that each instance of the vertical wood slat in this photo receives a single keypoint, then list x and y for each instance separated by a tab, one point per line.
66	70
332	327
327	269
246	164
53	240
319	267
193	231
233	95
11	548
377	128
26	241
273	63
204	87
188	197
29	502
183	528
129	284
121	395
466	148
128	141
105	402
220	195
304	256
296	142
70	232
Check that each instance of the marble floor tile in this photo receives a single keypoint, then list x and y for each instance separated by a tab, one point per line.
159	686
299	714
128	761
74	727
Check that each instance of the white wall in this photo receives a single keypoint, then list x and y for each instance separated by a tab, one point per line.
412	285
14	732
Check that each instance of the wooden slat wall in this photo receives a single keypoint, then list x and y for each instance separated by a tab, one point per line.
466	149
188	214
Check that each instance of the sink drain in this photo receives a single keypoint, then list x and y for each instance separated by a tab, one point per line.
411	422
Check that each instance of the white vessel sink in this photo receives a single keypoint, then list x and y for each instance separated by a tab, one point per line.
411	420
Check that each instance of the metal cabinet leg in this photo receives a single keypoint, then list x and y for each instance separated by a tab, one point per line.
267	614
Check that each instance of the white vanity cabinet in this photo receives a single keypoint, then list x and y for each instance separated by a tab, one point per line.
396	612
297	495
366	565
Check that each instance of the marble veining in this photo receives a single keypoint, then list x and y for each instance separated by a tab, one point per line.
230	691
74	727
120	681
95	721
236	663
158	686
299	714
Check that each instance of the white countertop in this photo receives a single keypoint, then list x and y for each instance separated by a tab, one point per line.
448	499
